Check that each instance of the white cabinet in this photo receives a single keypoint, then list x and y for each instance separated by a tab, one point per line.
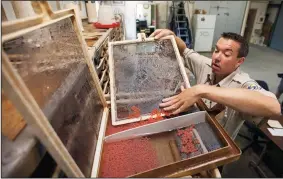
203	40
203	26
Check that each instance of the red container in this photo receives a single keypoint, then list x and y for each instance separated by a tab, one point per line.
106	26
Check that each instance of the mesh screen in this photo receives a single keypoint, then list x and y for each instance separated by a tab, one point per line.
145	73
50	61
195	145
207	136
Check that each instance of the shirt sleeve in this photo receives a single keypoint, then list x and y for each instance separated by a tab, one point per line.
194	61
253	85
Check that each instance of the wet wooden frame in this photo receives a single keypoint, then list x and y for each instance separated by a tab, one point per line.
141	39
16	90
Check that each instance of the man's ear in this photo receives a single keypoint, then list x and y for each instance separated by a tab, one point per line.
240	61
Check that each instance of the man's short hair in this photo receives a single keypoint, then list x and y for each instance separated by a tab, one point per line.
244	46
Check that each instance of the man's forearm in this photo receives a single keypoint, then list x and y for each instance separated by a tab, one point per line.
243	100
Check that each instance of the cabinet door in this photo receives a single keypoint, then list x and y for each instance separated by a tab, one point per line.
203	40
229	16
221	21
205	21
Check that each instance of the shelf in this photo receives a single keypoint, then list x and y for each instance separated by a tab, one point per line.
104	75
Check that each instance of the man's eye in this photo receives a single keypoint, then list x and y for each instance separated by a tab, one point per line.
227	55
216	50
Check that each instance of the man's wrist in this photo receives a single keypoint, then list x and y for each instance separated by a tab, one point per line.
201	90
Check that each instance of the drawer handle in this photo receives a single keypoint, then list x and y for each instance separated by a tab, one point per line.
202	19
205	34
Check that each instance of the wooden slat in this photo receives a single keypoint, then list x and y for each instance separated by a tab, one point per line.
175	151
93	33
13	26
103	76
214	173
100	141
12	121
105	86
90	38
21	29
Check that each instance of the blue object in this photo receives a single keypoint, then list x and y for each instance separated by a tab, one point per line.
180	24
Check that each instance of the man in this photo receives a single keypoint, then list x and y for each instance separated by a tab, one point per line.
221	83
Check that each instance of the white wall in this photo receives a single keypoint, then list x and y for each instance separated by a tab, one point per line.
140	12
205	5
130	16
189	9
9	11
130	19
162	14
83	14
231	23
53	5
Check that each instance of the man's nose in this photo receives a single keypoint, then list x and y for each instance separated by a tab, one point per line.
217	57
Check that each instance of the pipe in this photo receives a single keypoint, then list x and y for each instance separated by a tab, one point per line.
91	11
245	18
23	9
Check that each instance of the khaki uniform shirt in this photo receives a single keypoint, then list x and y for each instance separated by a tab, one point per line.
200	66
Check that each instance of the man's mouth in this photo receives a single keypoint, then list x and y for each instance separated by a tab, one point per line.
215	66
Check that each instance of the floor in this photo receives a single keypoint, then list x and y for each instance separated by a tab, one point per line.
240	168
262	63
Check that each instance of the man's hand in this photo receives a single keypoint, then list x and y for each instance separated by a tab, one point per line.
181	102
159	33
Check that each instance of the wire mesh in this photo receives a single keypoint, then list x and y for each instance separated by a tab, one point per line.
144	73
208	136
51	62
189	144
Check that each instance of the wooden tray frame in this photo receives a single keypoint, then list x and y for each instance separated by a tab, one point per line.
141	39
203	162
16	90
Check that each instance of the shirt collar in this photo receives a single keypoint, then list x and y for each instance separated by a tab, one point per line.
224	82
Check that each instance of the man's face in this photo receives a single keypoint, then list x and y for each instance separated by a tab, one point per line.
224	57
